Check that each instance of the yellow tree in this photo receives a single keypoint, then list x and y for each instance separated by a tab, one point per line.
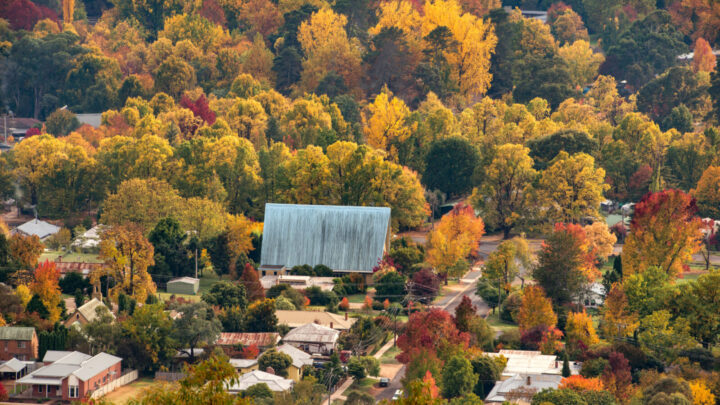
536	309
571	188
479	8
309	177
455	236
581	61
617	321
127	255
327	48
305	120
68	10
701	394
600	240
703	59
240	232
502	198
385	123
579	331
707	192
142	202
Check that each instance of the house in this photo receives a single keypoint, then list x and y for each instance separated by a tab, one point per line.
231	342
244	365
36	227
299	360
18	342
532	362
17	127
313	338
298	282
86	313
295	319
90	239
94	119
520	388
272	270
84	268
183	285
274	382
346	239
594	295
73	375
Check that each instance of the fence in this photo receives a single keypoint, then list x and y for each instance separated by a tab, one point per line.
164	376
125	379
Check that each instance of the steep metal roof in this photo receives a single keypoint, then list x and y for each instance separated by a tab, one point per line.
16	333
342	238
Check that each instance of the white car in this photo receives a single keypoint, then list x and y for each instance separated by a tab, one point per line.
397	395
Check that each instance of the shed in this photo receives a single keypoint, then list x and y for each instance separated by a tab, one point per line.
183	285
39	228
347	239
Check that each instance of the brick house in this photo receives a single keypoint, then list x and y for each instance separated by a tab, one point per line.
18	342
74	375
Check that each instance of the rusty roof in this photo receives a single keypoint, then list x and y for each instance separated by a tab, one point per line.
264	339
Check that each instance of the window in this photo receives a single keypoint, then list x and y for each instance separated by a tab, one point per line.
74	391
21	344
40	389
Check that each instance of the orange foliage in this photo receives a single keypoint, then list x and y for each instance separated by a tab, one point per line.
536	309
704	60
430	381
45	285
454	238
580	383
344	304
368	302
250	352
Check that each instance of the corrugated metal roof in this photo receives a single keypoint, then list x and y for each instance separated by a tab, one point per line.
16	333
39	228
312	333
89	309
262	339
295	319
12	366
342	238
97	364
274	382
299	357
185	280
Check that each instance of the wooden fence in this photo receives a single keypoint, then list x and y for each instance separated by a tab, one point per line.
164	376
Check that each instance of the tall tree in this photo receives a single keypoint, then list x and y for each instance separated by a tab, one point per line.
664	232
703	59
456	236
249	278
707	192
196	327
127	255
450	166
506	262
458	377
536	309
148	338
45	286
171	257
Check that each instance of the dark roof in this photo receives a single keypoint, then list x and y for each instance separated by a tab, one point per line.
16	333
340	237
20	123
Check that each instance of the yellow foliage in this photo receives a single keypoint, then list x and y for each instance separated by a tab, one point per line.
582	62
617	321
701	393
536	309
600	240
579	328
384	123
456	236
23	292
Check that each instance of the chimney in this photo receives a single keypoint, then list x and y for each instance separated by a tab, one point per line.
556	364
331	325
346	316
528	380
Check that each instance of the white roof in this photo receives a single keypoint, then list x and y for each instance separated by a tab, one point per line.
13	366
93	119
531	362
52	356
89	309
299	357
312	333
243	363
91	237
39	228
80	365
274	382
188	280
537	383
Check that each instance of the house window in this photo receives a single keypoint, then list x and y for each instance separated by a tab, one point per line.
40	389
21	344
74	391
6	345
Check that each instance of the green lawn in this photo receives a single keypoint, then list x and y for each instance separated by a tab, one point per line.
356	298
498	324
389	356
364	385
71	257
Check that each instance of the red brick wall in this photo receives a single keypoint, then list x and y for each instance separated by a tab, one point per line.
100	379
11	348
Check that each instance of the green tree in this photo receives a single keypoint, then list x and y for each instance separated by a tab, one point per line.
226	294
276	360
450	166
458	378
173	76
677	86
488	372
196	327
390	286
147	338
172	257
544	149
61	122
261	316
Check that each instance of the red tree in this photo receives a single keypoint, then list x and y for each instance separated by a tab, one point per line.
250	352
24	14
617	378
344	304
433	330
251	281
424	285
200	108
464	313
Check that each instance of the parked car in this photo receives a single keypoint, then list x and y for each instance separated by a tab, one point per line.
398	395
384	382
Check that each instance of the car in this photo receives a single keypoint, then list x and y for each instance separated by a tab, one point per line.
384	382
398	395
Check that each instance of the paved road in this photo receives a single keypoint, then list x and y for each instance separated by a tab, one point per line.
395	384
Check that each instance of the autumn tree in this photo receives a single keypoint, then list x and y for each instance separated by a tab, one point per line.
385	123
25	250
571	188
141	202
454	238
617	378
664	232
432	330
45	285
503	196
249	278
618	321
567	27
127	255
580	332
581	61
707	192
703	58
536	309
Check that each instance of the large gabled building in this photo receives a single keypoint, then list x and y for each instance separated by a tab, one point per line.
346	239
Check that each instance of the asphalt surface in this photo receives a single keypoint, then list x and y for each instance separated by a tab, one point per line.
395	384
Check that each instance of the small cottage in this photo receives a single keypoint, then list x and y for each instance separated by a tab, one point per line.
313	338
